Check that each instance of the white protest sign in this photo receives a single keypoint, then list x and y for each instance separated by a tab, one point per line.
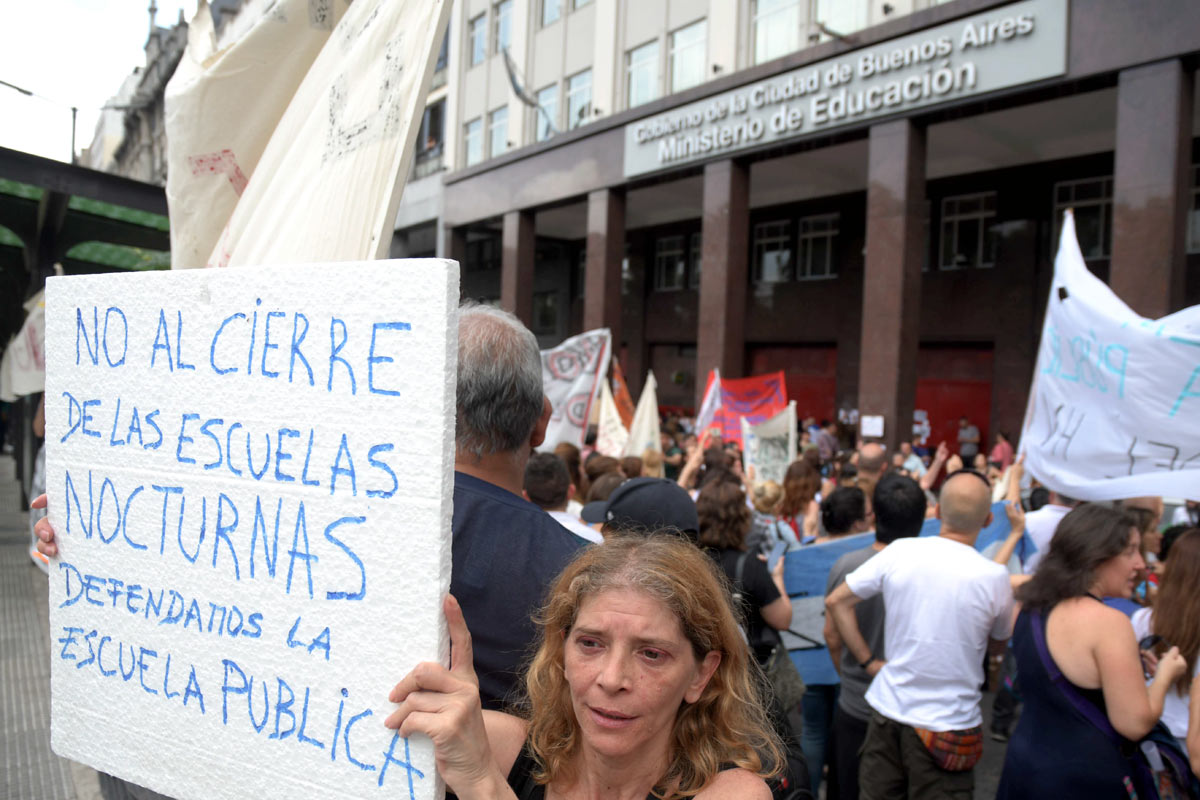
770	445
571	376
250	477
1114	409
611	436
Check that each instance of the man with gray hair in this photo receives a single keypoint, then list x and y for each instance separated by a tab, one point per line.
944	603
506	550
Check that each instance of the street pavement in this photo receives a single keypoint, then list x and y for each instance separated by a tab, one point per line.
31	771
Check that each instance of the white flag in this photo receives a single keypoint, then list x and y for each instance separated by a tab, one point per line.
290	139
1114	409
571	377
643	432
611	436
770	446
23	367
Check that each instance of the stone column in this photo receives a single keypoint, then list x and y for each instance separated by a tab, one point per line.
725	246
887	377
602	273
453	245
1151	187
518	247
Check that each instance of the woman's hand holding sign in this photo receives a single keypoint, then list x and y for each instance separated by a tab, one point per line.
444	705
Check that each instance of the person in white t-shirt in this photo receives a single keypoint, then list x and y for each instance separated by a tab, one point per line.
548	486
944	603
1041	524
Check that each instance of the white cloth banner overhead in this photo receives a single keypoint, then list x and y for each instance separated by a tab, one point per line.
644	431
23	368
611	435
1114	409
571	376
770	446
323	183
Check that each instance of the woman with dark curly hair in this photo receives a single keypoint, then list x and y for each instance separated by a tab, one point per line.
641	684
1079	669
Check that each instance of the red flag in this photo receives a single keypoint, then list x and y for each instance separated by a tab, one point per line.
756	398
621	396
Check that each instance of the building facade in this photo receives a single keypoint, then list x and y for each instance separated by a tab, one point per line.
865	195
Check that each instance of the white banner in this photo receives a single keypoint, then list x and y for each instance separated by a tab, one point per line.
644	431
323	182
770	445
23	368
571	376
1114	409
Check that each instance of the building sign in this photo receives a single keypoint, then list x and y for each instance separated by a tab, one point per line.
1007	46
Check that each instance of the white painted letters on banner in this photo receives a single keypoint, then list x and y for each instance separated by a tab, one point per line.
1114	409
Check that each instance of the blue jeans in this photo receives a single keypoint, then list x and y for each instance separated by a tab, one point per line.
817	707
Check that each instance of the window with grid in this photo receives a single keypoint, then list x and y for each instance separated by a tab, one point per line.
776	28
502	20
473	141
772	252
579	98
694	262
1194	213
670	263
483	254
687	56
1091	199
477	39
814	246
641	74
498	131
546	113
551	11
967	237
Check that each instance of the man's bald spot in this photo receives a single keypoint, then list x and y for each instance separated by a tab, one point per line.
964	503
871	458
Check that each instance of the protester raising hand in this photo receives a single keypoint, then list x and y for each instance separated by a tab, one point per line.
444	705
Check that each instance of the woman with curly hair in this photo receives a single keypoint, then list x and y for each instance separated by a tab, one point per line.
640	687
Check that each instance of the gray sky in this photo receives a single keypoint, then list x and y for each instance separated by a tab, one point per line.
72	53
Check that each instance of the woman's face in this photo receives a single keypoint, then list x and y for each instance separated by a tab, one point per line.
1117	576
629	668
979	463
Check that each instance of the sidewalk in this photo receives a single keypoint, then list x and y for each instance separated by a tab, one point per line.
30	769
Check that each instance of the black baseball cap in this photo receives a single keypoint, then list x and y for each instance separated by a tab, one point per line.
646	504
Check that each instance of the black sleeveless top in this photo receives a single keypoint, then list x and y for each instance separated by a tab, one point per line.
520	778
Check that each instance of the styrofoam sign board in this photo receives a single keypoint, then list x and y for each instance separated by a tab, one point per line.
250	476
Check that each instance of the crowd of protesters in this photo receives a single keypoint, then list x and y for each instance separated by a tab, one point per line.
618	624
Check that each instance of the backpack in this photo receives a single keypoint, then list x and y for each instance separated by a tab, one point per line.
1160	769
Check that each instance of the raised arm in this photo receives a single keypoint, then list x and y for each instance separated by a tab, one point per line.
778	613
473	755
935	467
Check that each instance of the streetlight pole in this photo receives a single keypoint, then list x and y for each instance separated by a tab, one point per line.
74	113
